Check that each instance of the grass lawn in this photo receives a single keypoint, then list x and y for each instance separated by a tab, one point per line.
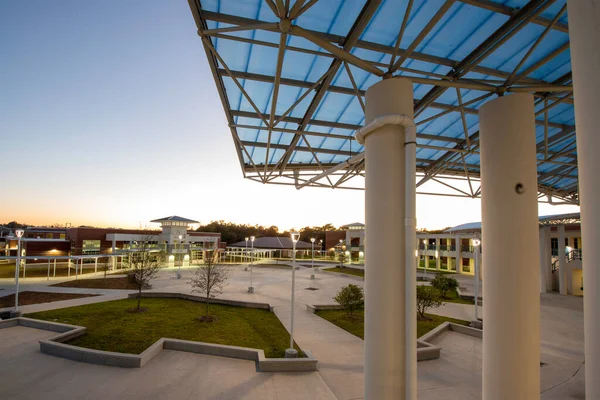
100	283
26	298
112	328
356	326
347	270
40	270
452	297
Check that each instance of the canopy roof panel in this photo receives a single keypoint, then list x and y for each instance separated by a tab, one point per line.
292	76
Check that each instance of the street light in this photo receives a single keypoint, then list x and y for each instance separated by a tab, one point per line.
179	270
476	243
19	233
321	247
246	253
312	241
251	288
425	259
291	352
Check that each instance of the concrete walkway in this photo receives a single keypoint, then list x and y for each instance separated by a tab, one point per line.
457	374
27	374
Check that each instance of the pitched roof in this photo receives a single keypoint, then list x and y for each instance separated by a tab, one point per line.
176	219
273	242
558	219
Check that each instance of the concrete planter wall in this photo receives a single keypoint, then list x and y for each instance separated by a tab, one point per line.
56	345
200	299
425	350
356	278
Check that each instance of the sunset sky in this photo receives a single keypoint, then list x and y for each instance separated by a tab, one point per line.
109	116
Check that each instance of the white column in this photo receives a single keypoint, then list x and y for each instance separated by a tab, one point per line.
458	255
562	267
584	32
438	259
386	374
544	248
511	363
114	249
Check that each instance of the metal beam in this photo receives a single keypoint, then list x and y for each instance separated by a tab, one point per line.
363	44
510	11
354	34
351	92
496	39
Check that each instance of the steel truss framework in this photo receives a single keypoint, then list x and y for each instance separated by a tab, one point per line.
292	77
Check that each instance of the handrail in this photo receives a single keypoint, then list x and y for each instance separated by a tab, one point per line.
575	254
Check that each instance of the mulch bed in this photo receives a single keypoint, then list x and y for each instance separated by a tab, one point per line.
26	298
109	283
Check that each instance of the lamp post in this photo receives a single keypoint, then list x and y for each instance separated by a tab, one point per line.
19	233
341	252
425	259
321	247
312	241
291	352
245	259
179	269
476	243
251	288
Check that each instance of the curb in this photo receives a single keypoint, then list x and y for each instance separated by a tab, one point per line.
425	351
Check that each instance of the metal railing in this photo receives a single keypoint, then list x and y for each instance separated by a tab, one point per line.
575	254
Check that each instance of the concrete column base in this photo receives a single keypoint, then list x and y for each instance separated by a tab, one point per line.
250	289
312	276
291	353
15	314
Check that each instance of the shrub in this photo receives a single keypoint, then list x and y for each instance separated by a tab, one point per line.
427	298
444	284
351	298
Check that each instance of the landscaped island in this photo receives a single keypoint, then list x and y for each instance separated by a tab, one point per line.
356	325
111	328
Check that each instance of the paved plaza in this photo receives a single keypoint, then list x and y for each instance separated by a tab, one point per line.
455	375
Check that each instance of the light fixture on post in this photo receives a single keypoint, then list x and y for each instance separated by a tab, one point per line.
19	233
312	241
321	248
181	246
251	288
291	352
476	243
425	259
246	253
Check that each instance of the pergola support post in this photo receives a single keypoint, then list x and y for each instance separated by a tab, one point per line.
389	287
511	363
584	32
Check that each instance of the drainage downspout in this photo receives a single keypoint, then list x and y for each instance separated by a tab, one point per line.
410	245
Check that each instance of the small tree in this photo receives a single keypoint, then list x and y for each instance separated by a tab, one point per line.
427	298
444	284
342	258
351	298
209	279
145	263
106	266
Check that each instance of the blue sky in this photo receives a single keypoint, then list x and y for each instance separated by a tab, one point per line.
109	116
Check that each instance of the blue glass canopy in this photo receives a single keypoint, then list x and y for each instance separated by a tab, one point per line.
292	76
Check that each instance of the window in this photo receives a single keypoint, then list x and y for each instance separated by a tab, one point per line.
554	246
576	243
91	244
62	236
